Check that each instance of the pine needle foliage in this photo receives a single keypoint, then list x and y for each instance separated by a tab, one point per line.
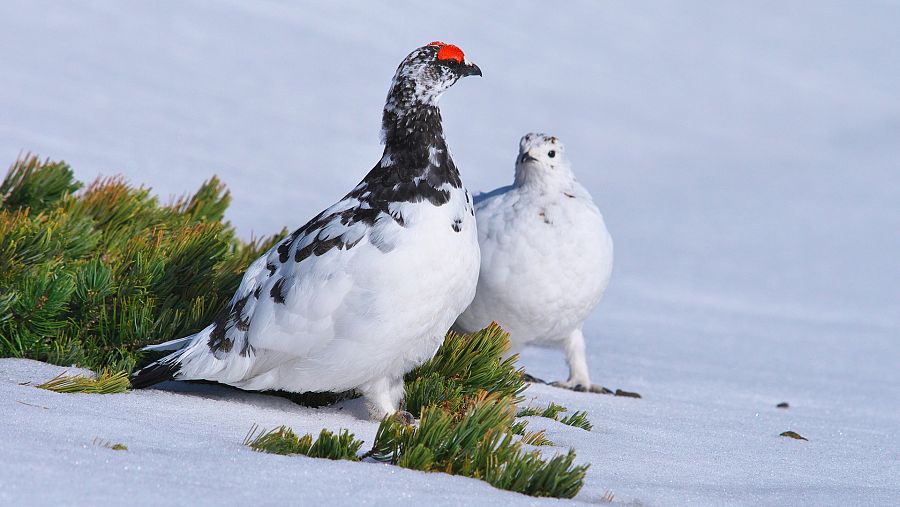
283	440
552	411
518	427
579	420
464	365
478	444
105	383
36	185
528	412
536	438
90	276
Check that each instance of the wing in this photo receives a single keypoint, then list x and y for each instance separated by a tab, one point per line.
287	296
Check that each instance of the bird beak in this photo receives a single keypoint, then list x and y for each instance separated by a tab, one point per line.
526	157
469	69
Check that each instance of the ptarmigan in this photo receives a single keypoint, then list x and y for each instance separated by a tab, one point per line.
546	257
366	290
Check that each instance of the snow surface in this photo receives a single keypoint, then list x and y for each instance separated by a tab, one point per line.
745	156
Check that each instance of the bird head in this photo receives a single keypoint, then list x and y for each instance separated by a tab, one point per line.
427	73
542	161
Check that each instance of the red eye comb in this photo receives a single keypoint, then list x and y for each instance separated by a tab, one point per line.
448	52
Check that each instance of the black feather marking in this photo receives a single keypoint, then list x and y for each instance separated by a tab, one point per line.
276	291
154	373
283	250
217	340
303	253
230	317
457	224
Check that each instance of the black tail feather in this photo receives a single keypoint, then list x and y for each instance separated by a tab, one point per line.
154	373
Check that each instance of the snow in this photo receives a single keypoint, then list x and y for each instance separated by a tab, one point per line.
185	447
744	155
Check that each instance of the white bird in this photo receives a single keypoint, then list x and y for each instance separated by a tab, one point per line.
546	257
367	289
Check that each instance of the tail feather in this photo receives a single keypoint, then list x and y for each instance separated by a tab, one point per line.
154	373
176	344
167	367
194	359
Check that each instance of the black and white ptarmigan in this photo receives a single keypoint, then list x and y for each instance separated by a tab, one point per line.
366	290
546	257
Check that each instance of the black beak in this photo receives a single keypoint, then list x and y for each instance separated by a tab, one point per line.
526	158
469	69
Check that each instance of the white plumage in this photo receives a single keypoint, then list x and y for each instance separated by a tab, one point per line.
546	257
366	290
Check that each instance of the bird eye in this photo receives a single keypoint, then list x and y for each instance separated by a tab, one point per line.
551	153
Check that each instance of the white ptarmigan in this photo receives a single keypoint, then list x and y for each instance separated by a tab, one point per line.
366	290
546	257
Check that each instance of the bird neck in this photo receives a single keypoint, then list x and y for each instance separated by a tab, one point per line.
531	177
414	144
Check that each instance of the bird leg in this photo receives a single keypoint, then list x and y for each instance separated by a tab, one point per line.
383	397
579	378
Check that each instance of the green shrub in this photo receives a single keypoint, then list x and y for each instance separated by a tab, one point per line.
89	277
105	383
551	412
283	440
536	438
464	365
478	444
578	419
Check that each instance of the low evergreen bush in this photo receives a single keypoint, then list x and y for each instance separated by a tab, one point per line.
283	440
465	365
106	382
478	444
577	419
90	276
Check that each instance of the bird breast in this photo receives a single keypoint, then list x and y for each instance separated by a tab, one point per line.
545	263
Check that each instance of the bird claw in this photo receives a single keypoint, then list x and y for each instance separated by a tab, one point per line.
582	388
597	388
532	379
